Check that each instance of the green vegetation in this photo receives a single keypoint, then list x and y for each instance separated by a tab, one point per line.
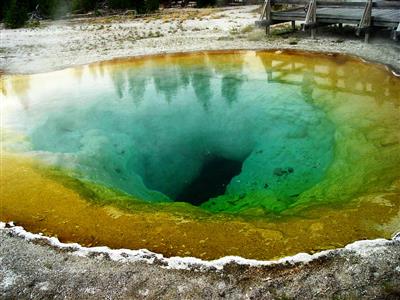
205	3
51	8
247	29
152	5
15	13
83	5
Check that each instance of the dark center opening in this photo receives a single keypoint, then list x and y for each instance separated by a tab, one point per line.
211	182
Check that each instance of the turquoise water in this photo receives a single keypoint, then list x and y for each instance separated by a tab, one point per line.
151	130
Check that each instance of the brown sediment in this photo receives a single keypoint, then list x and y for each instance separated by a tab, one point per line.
32	199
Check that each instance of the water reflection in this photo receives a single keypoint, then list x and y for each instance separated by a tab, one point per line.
136	85
306	72
119	79
226	71
202	89
230	68
172	77
332	74
19	86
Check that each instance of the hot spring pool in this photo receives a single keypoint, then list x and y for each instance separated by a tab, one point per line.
256	154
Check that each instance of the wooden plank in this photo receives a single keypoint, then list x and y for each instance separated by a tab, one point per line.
391	15
266	12
341	12
327	22
394	15
263	10
311	17
365	22
339	3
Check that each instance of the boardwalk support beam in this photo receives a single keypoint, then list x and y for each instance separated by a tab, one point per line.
396	32
311	17
365	14
266	12
365	22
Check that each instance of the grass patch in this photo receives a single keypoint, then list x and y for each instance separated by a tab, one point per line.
33	24
282	29
234	31
257	10
256	35
247	29
225	38
220	16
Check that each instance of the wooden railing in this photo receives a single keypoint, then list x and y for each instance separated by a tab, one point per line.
376	3
310	6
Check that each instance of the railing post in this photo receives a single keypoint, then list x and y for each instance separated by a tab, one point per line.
365	22
396	32
266	12
311	17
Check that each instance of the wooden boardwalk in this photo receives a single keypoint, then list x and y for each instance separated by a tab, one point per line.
366	15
